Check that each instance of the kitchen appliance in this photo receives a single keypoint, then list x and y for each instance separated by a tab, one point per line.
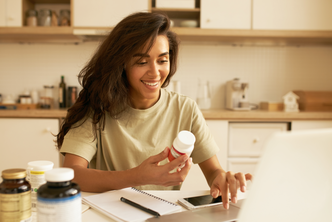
237	95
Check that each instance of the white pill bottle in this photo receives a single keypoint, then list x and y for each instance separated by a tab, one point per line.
182	144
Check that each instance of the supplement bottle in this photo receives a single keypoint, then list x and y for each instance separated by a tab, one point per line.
36	176
15	189
59	199
182	144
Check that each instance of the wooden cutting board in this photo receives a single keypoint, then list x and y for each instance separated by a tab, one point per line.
314	100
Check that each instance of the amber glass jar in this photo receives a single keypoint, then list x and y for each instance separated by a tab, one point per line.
15	189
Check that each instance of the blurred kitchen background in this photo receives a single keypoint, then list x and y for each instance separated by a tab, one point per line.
272	69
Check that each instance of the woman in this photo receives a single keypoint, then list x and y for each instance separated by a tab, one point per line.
118	132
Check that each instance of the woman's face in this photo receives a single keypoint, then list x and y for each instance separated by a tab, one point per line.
146	76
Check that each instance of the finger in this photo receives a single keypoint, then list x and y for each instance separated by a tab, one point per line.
232	182
161	156
180	175
242	181
224	192
177	162
248	176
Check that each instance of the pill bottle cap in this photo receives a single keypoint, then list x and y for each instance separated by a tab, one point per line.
40	165
59	174
184	142
12	174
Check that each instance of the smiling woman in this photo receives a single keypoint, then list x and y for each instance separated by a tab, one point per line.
146	73
119	131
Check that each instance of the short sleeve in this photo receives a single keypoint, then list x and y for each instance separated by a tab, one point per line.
80	141
205	146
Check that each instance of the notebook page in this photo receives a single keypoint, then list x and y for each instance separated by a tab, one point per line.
109	203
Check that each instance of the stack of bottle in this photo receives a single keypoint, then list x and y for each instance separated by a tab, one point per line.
43	194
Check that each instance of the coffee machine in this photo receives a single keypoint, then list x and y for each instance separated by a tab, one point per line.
237	95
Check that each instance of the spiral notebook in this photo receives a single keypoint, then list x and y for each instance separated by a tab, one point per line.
109	203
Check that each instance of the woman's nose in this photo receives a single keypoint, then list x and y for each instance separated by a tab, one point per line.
154	70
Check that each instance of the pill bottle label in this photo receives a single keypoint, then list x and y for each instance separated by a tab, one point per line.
68	209
174	154
36	179
15	207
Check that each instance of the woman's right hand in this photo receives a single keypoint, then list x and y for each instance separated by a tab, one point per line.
151	172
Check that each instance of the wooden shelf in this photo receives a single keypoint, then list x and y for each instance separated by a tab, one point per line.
179	13
255	36
38	34
78	35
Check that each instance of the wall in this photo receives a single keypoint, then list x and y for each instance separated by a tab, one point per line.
271	71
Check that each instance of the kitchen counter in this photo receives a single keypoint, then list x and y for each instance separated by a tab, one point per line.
217	114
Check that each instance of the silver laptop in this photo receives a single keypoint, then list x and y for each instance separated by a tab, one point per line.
293	182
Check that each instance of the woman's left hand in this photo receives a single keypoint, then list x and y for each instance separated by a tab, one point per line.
229	182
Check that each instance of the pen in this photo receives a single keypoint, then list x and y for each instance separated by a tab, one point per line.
131	203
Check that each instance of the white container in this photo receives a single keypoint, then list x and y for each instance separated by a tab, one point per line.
182	144
36	177
187	4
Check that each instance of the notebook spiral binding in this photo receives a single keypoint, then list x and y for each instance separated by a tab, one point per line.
141	191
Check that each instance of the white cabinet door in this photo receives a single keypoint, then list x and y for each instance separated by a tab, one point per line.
292	14
25	140
11	13
104	13
307	125
244	165
2	13
195	179
248	139
226	14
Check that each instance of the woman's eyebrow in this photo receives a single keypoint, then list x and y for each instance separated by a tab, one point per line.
147	55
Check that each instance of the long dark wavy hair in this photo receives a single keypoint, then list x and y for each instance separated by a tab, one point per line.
104	80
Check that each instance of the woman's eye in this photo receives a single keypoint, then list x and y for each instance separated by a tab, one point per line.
142	63
164	61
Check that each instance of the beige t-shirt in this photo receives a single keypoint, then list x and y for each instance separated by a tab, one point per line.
139	134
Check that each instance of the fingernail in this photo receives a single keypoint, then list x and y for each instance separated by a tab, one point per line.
243	188
234	199
227	206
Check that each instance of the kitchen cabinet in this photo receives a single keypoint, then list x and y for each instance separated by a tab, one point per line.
195	179
11	13
292	15
246	142
313	124
27	139
91	22
225	14
104	13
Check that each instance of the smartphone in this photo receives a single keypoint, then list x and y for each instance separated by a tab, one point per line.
199	201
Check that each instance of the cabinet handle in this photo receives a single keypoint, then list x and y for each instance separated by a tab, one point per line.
256	140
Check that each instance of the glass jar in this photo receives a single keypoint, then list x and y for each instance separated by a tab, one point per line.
64	17
47	99
31	18
15	189
45	17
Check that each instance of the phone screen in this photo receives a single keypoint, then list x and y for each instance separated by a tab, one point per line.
203	200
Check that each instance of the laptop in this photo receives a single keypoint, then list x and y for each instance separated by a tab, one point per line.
293	182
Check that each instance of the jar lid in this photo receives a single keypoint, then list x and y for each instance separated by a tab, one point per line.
59	174
45	12
12	174
40	165
32	12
